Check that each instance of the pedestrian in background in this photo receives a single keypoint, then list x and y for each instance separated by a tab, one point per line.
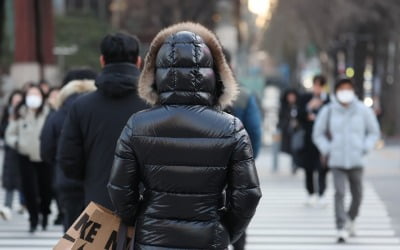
345	131
246	108
289	122
69	192
45	87
10	175
310	105
185	150
52	98
22	134
95	120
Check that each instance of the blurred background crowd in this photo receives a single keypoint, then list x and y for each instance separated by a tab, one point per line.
288	56
275	44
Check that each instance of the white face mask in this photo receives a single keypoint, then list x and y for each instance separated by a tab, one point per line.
33	101
345	96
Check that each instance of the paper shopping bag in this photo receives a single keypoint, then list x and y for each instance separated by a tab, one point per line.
96	228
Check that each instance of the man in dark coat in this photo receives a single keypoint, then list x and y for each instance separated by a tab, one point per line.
95	121
69	192
185	151
310	105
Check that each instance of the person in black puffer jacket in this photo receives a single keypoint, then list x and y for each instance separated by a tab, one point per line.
195	162
69	192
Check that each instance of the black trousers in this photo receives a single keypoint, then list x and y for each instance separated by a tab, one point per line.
36	180
240	243
313	166
72	206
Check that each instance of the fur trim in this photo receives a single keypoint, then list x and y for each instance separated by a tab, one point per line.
74	87
146	81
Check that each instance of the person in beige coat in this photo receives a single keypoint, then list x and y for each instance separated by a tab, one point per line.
23	134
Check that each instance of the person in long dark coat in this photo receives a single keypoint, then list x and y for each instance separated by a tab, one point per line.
11	177
288	118
289	122
310	105
95	120
70	192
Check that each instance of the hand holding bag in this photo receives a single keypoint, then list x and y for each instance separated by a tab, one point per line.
96	228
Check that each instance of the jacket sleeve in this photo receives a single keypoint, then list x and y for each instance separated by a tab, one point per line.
48	143
372	130
71	148
303	112
4	123
319	131
281	116
123	186
11	134
253	123
243	190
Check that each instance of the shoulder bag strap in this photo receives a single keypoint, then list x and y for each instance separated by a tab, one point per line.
328	123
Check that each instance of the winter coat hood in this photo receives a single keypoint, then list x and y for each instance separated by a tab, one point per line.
73	88
118	79
185	65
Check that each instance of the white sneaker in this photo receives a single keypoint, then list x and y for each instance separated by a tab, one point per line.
311	200
322	202
342	236
351	227
5	213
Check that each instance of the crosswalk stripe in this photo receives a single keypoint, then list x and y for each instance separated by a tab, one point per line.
282	222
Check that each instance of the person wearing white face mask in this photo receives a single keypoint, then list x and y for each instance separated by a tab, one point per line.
344	132
22	134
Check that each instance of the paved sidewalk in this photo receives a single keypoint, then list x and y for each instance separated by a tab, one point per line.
14	234
282	221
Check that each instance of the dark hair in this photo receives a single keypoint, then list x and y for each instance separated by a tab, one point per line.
120	47
342	82
227	55
43	81
286	94
79	74
27	85
40	109
320	79
6	113
13	93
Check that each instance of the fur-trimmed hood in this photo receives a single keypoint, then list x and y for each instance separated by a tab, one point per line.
74	87
146	86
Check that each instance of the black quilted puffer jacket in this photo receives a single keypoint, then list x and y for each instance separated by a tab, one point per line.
195	162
